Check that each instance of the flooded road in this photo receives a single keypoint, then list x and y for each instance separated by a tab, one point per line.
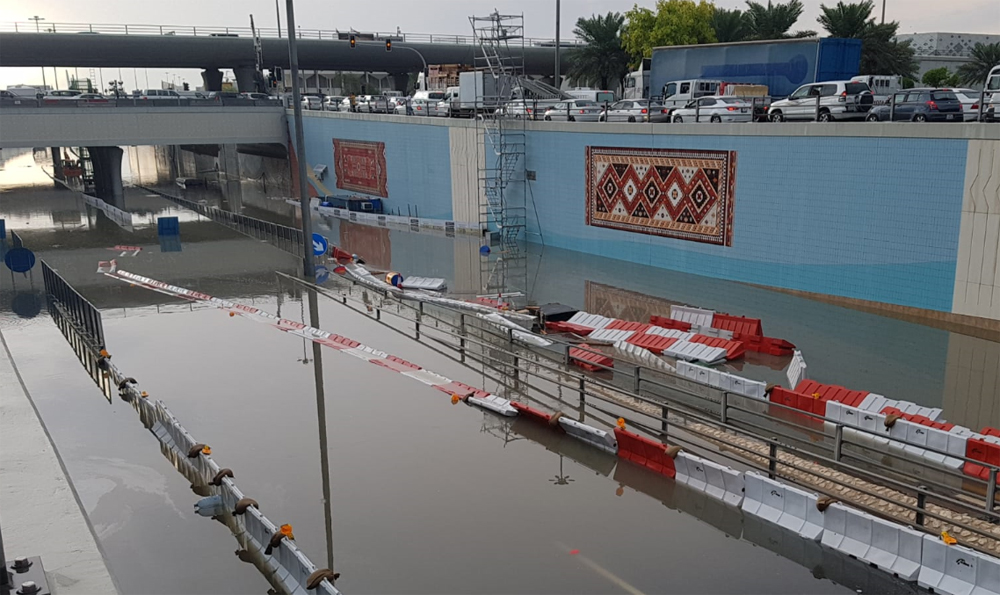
426	496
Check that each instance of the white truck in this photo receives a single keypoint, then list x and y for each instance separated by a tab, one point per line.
636	84
883	86
991	105
480	92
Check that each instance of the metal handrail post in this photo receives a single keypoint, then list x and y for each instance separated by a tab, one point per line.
838	443
772	458
991	490
816	119
724	406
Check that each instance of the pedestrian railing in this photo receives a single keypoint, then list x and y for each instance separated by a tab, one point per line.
283	237
132	102
83	313
271	547
773	438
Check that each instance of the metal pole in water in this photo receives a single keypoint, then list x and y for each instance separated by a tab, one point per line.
724	413
324	459
300	145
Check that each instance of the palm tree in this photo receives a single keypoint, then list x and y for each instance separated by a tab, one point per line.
774	20
729	25
880	52
601	61
984	56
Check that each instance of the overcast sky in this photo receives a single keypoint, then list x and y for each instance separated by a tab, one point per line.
423	16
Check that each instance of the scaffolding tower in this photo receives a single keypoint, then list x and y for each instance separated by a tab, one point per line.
499	41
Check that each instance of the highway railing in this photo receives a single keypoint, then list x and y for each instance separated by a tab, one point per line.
271	32
139	102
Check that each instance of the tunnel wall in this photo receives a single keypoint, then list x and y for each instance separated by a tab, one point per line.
898	215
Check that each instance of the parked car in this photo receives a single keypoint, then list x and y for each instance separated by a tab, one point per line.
422	106
61	95
256	96
332	103
920	105
717	108
970	103
575	110
313	102
159	94
628	110
838	100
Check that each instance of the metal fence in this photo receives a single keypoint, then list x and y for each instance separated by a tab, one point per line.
15	240
189	30
286	567
129	102
283	237
76	306
773	438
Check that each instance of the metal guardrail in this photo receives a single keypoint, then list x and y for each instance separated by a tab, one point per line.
282	237
77	307
271	32
15	240
126	102
466	338
282	563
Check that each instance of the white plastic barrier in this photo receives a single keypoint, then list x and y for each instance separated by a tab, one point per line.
709	331
784	505
495	404
594	321
671	333
958	436
847	530
722	380
611	335
599	438
957	570
722	483
428	283
873	402
644	356
895	549
693	316
684	350
874	423
796	369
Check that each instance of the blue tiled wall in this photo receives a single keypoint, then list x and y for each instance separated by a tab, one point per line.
868	218
417	160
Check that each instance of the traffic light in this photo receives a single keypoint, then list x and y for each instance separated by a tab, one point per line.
186	86
353	42
388	45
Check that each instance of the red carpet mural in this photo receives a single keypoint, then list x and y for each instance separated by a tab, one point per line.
360	166
674	193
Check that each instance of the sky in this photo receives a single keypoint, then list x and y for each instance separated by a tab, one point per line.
415	16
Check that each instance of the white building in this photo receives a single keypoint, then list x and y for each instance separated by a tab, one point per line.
950	50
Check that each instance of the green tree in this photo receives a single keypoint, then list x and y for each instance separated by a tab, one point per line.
601	61
984	56
936	77
774	20
880	52
729	25
675	22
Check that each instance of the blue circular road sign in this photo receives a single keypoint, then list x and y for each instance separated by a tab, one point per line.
19	260
320	245
322	275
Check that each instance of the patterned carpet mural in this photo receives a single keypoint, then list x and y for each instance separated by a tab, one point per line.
674	193
360	166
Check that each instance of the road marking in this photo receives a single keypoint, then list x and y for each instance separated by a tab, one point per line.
610	576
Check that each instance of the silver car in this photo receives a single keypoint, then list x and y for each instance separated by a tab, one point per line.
576	110
627	110
714	108
332	103
837	100
312	102
970	103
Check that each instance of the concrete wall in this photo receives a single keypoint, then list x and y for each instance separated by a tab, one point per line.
889	213
118	126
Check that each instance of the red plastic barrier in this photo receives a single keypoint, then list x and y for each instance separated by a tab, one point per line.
463	390
394	363
588	360
670	323
628	325
569	327
832	392
734	349
984	451
989	431
767	345
531	413
737	324
654	343
485	301
643	451
783	396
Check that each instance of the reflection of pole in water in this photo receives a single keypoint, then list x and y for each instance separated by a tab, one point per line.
561	479
324	460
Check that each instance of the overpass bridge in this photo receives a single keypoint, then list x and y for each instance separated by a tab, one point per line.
211	49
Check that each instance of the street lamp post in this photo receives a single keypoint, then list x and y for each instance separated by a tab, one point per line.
38	29
555	79
883	12
308	261
422	60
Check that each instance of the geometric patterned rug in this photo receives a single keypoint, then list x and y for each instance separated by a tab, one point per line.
360	165
674	193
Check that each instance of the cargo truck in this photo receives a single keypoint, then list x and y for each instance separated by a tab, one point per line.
780	65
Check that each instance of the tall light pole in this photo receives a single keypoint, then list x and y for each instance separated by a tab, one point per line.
556	77
308	262
277	11
883	12
417	52
38	29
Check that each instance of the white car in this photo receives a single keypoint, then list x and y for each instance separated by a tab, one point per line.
422	106
838	100
312	102
970	103
61	95
576	110
627	110
717	108
159	94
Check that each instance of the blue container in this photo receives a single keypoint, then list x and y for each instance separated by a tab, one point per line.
168	226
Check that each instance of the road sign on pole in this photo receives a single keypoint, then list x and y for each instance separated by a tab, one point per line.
320	245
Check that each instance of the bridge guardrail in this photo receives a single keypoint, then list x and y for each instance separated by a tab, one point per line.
270	32
137	102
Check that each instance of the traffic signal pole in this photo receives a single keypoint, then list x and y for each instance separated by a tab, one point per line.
308	262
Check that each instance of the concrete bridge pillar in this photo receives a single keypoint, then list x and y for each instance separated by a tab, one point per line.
245	79
400	81
212	79
57	162
108	185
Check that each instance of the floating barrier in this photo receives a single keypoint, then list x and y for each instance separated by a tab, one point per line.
496	404
957	570
722	380
645	452
585	357
738	324
784	505
891	547
796	372
718	481
589	434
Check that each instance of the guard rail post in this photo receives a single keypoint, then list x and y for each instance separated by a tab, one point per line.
583	392
566	354
461	336
724	406
772	458
636	379
816	118
838	443
892	108
981	116
663	422
991	490
921	504
697	111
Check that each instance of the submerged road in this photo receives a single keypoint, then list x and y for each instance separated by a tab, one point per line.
426	496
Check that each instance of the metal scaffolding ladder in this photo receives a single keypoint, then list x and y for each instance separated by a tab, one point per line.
503	212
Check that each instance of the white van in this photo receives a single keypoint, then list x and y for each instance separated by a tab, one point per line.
991	107
594	95
680	93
